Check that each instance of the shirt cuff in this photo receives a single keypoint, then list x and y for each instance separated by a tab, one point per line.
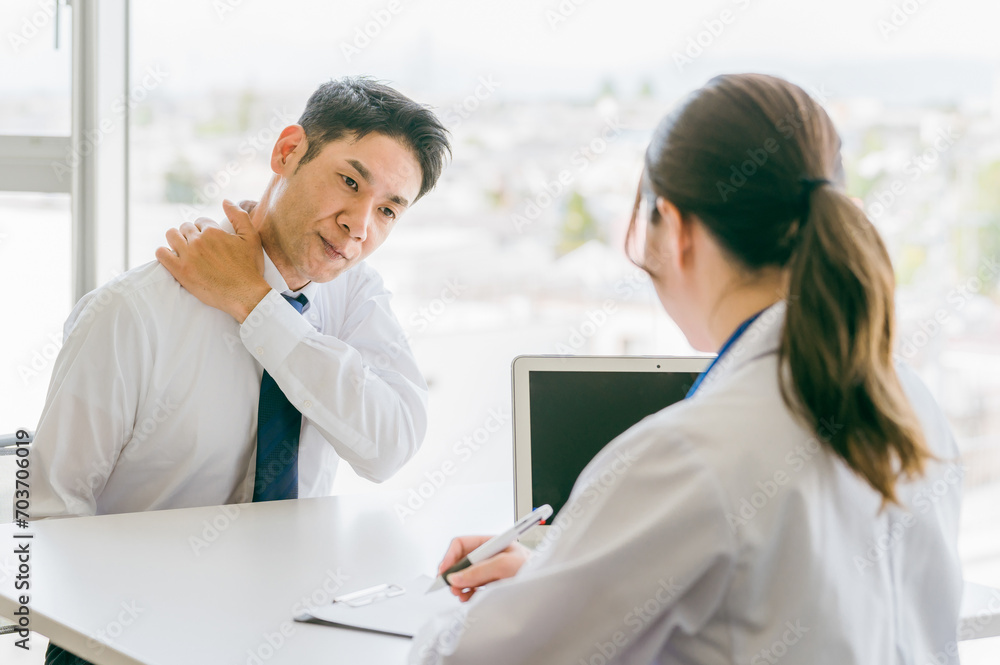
273	329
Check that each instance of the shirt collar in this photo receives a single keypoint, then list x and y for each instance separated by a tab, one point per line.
273	276
274	279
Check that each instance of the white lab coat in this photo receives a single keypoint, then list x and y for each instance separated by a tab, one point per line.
719	530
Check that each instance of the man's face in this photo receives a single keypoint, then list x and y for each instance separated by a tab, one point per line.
328	214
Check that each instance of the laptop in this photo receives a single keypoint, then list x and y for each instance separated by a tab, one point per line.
567	408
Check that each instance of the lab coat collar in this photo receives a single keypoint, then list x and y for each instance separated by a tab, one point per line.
760	339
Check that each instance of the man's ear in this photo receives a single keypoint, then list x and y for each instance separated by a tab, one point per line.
677	238
288	149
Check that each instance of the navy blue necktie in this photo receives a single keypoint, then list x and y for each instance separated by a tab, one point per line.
278	424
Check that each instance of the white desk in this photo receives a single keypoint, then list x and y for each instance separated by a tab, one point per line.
220	605
980	615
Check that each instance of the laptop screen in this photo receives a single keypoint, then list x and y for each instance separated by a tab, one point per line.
575	414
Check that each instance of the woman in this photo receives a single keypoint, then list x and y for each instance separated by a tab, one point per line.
785	510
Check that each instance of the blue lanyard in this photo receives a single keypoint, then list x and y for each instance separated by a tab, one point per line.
725	347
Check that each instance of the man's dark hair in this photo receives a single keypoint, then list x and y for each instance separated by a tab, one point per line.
358	106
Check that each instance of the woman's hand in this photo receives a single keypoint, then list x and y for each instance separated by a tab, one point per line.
465	582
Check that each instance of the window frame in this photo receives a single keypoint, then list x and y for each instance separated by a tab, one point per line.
93	172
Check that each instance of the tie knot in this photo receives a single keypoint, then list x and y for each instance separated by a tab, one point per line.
299	302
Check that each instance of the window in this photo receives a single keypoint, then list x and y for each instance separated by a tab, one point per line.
35	217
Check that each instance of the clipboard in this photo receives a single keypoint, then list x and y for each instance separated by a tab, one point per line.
389	609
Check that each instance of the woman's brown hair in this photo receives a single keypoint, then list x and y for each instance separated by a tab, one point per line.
757	161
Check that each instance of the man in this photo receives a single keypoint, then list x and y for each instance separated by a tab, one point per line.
251	374
273	354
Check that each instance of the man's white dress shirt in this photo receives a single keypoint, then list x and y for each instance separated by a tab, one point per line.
153	398
720	531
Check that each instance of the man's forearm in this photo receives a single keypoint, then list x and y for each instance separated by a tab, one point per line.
372	410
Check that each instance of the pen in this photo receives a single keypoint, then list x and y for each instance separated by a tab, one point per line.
496	544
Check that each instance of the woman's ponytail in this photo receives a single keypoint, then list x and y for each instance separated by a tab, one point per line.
836	347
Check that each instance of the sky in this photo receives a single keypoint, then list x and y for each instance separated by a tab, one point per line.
538	47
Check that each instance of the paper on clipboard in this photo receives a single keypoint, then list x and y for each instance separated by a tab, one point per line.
392	609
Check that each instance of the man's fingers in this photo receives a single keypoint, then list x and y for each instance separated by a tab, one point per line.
239	219
204	222
176	240
168	259
188	230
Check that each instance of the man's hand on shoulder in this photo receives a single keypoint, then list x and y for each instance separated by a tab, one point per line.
223	270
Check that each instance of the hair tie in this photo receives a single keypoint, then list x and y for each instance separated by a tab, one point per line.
808	186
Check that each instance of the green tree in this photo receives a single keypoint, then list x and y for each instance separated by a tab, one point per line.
987	203
578	225
181	182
